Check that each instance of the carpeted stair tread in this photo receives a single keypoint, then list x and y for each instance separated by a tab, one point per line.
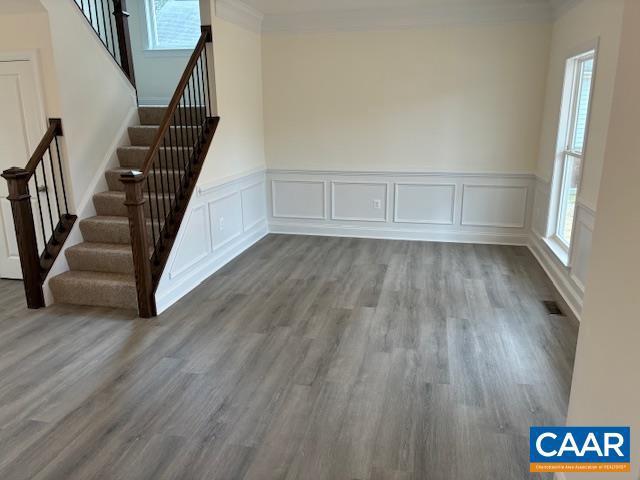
100	257
106	229
111	203
154	114
170	179
145	135
95	289
133	157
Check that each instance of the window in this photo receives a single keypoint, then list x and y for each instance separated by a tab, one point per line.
571	148
172	24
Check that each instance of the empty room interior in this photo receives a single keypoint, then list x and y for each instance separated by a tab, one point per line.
319	239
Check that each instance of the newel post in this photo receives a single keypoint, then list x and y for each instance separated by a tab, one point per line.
134	201
18	181
124	38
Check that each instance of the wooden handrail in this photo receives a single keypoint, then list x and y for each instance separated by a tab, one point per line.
54	130
205	37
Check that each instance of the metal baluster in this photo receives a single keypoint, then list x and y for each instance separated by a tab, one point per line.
113	43
164	196
206	62
44	234
153	226
104	25
155	184
185	147
64	189
46	192
197	83
173	164
55	183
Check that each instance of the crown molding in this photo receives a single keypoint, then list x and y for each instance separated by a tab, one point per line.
239	13
560	7
408	17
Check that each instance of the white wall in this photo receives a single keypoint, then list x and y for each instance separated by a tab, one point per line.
442	98
157	72
21	32
96	99
605	389
587	21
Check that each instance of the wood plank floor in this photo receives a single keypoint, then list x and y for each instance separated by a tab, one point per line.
306	358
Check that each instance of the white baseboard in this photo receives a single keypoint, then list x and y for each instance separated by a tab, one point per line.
358	231
223	219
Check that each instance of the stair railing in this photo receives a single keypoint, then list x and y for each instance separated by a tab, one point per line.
39	246
110	20
157	196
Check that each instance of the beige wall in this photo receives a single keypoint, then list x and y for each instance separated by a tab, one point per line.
605	388
238	146
28	32
437	99
589	20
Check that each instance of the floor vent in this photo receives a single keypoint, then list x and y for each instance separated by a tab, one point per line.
552	308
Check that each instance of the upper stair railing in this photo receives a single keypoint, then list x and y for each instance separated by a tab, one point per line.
157	196
110	20
38	247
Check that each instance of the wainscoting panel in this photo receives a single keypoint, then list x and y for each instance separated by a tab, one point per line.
301	199
253	205
224	219
494	206
425	203
225	215
359	201
569	279
402	205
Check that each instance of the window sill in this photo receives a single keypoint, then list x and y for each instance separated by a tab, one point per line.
167	53
558	250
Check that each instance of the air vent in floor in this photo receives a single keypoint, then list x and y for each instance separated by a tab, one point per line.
552	307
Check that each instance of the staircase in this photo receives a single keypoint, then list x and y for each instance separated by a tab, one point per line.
101	268
128	242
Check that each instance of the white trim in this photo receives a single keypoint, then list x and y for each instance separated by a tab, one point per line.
209	187
385	233
239	13
499	225
275	214
454	191
359	219
557	274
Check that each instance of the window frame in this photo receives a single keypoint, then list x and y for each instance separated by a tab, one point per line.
564	148
149	27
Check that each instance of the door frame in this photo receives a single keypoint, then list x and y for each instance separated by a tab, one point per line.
33	58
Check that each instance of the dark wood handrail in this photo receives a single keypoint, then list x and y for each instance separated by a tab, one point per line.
54	130
37	257
205	37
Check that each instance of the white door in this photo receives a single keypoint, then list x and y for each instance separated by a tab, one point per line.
21	128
